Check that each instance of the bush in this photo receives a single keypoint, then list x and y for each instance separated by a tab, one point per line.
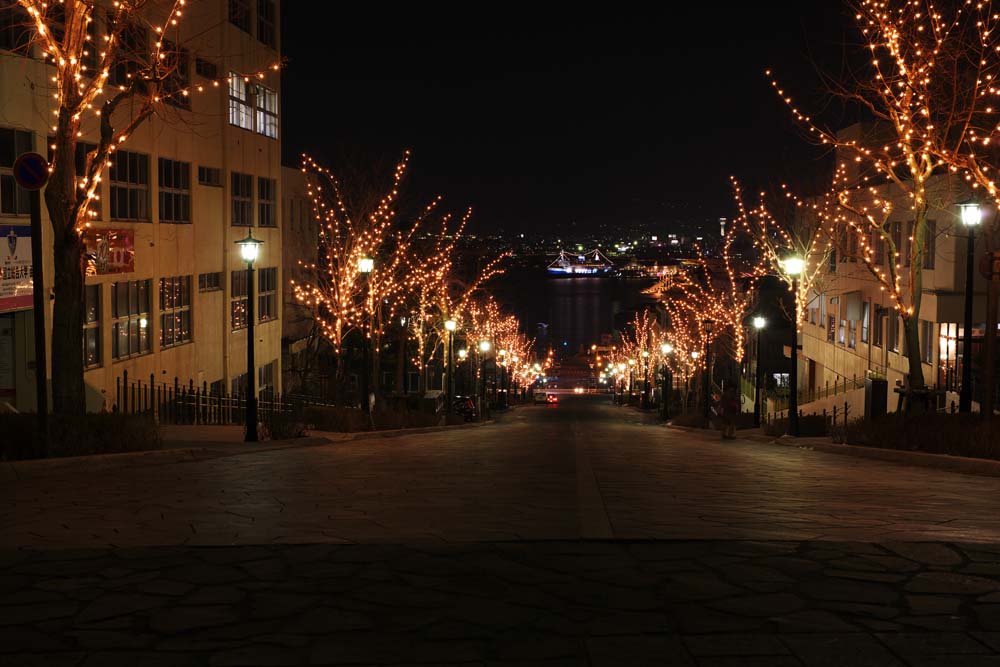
933	433
285	426
77	436
810	426
352	420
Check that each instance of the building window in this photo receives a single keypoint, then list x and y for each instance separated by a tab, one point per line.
177	65
877	327
206	68
210	176
238	299
265	22
267	112
132	55
842	332
239	14
83	151
252	106
831	328
175	311
866	312
130	310
892	330
908	243
129	176
91	326
210	282
267	300
240	104
242	196
239	384
265	379
927	341
267	213
930	244
878	247
13	198
852	334
175	191
15	27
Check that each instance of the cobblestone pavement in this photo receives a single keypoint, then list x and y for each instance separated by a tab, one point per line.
569	535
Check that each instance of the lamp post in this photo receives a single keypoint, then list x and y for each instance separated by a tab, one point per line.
758	323
971	217
502	382
484	347
249	248
644	399
707	324
450	326
462	354
666	349
793	266
631	379
688	388
365	267
620	383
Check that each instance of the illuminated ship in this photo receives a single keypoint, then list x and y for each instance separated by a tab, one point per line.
586	264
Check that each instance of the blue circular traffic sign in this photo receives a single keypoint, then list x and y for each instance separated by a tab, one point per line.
31	171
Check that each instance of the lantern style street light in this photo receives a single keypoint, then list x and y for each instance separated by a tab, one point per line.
249	249
758	323
484	347
365	266
972	216
666	349
644	399
793	266
450	326
708	324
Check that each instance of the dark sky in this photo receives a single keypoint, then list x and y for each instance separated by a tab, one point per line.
541	118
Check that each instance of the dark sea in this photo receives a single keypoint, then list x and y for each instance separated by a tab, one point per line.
568	313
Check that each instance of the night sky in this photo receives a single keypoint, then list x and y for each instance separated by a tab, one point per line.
543	119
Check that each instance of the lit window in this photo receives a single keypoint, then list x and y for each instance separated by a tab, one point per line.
238	301
91	326
267	299
240	104
175	311
130	310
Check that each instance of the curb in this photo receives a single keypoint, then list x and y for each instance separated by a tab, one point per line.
31	469
957	464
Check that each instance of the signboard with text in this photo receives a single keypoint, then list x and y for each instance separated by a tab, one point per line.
15	267
109	251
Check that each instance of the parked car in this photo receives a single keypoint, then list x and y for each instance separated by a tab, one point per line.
540	397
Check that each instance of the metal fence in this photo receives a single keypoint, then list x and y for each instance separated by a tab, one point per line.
179	403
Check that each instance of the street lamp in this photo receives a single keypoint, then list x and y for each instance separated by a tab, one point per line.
484	347
666	349
249	249
758	323
708	324
631	380
365	266
644	399
793	266
972	216
450	326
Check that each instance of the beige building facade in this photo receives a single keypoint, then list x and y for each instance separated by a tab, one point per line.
166	288
851	331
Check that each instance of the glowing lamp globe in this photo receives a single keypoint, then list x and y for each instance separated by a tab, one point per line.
666	348
450	325
462	353
484	346
759	322
249	248
794	265
972	215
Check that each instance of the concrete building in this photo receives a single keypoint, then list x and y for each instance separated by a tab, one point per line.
166	288
851	330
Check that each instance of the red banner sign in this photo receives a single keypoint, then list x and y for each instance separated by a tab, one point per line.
110	251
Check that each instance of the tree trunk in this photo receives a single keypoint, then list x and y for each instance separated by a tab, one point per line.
911	334
68	397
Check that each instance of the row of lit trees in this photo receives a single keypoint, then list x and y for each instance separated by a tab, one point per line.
377	269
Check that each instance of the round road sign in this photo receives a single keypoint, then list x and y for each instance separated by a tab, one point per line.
31	171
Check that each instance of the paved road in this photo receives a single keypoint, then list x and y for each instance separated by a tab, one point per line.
577	534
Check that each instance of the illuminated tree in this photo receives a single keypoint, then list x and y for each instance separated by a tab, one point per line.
929	91
87	105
